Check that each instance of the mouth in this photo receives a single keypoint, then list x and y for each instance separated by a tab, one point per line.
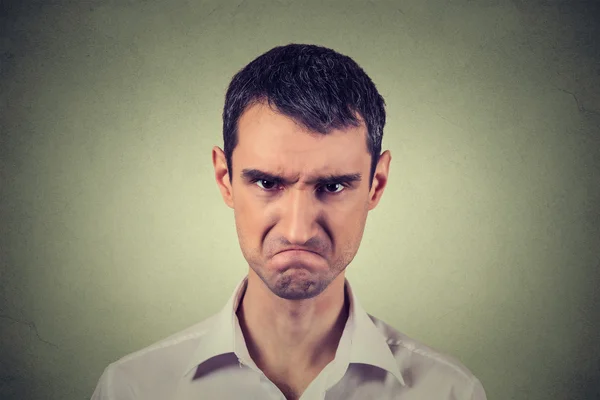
297	259
297	251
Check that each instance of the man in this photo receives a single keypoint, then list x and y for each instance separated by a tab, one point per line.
301	169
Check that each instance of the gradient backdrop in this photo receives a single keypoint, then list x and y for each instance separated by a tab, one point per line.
485	245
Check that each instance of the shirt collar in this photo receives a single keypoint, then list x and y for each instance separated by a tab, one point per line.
368	345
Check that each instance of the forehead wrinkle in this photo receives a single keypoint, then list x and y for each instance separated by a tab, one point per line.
308	177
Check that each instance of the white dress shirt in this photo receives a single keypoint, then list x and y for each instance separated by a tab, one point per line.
210	360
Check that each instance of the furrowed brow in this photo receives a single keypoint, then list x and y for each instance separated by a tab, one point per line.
330	179
251	174
256	174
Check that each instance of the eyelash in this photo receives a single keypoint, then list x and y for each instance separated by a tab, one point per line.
344	185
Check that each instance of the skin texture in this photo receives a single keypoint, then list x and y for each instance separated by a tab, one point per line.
295	307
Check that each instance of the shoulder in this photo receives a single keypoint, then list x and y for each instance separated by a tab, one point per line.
163	361
419	362
171	346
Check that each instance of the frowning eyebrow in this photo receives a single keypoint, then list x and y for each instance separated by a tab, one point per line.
251	174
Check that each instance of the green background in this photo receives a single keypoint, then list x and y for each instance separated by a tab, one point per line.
485	245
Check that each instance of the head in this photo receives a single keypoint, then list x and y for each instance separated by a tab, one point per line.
301	166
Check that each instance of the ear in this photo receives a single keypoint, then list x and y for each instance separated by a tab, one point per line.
222	175
380	179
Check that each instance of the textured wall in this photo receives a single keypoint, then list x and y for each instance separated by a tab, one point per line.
113	234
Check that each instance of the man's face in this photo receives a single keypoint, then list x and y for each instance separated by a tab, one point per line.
326	218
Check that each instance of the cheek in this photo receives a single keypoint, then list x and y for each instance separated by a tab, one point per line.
349	225
358	222
249	218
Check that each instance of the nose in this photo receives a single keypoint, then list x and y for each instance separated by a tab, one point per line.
298	216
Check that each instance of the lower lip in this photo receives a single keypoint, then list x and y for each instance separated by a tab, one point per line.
308	258
297	252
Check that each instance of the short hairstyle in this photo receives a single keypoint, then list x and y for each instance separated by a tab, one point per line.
319	88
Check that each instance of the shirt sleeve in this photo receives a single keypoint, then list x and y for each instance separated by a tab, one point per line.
477	391
103	389
116	384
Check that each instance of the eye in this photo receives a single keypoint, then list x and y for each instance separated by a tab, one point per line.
333	187
264	180
330	188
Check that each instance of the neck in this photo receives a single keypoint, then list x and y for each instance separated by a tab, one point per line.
292	335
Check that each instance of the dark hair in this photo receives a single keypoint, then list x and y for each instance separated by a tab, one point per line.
317	87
